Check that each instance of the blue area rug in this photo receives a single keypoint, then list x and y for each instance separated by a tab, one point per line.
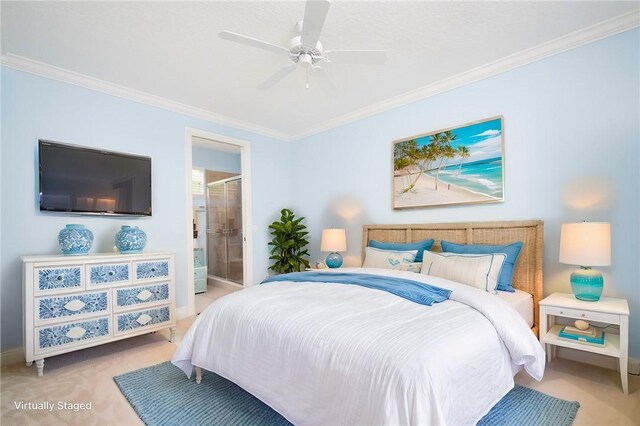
162	395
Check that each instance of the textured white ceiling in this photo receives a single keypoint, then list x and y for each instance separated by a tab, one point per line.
171	49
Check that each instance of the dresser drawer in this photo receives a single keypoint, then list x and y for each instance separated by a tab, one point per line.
149	270
132	297
138	320
61	279
56	308
585	315
56	337
101	275
200	272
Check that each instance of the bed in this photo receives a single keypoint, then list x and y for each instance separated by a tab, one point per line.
326	353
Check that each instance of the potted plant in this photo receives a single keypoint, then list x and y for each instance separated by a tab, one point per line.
288	246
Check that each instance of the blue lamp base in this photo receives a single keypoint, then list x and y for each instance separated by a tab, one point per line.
586	284
334	260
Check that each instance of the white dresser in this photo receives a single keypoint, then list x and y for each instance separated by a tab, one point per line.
74	302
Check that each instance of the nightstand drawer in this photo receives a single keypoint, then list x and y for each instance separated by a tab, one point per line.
582	314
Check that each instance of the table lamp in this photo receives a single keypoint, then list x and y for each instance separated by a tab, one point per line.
586	244
333	240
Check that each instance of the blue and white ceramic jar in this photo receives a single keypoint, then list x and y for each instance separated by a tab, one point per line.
130	239
75	240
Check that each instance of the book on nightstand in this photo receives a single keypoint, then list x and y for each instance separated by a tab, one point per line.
597	339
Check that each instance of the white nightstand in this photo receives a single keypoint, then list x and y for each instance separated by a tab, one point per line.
606	310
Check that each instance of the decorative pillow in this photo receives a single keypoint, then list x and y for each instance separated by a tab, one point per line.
420	246
386	259
411	267
511	250
476	270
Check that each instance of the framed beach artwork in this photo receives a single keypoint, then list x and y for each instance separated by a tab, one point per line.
460	165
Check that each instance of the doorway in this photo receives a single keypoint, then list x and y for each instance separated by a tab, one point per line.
219	215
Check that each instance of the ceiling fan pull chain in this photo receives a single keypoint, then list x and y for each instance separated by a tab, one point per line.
307	74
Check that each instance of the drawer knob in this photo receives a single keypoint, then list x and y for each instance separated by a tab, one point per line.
562	312
76	333
583	315
74	305
144	295
143	319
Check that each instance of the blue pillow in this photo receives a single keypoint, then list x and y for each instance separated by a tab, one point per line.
511	250
420	246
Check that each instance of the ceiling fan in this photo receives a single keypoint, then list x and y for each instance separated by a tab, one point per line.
306	50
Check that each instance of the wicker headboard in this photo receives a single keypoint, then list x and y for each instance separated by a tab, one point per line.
528	271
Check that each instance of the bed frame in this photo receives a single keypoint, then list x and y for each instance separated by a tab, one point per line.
527	275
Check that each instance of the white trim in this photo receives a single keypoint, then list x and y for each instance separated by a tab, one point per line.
182	313
60	74
247	209
578	38
569	41
12	356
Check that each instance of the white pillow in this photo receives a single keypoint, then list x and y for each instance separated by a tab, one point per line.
387	259
475	270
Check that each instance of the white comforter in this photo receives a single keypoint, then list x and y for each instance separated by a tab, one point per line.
335	354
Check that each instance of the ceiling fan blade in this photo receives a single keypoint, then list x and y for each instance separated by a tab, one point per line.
315	12
324	80
271	81
356	56
250	41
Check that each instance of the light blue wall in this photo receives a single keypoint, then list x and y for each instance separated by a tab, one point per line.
212	159
572	153
34	107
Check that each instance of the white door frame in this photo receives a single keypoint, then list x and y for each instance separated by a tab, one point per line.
247	216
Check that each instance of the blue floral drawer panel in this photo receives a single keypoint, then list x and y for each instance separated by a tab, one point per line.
131	321
51	308
108	273
134	296
153	269
56	337
59	279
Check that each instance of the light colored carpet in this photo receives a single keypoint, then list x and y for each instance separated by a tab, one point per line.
218	401
87	376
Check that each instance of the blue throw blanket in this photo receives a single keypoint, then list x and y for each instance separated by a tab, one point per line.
415	291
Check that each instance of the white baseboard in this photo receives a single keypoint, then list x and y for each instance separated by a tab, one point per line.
12	356
598	360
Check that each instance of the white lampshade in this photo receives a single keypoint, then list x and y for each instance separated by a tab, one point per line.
333	240
585	244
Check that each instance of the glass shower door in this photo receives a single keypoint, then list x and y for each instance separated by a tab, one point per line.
216	224
234	227
224	229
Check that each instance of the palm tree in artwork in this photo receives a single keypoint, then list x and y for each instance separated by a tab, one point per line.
463	152
444	149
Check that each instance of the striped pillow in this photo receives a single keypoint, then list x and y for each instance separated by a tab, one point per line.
475	270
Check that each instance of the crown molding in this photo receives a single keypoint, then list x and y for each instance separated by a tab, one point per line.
60	74
570	41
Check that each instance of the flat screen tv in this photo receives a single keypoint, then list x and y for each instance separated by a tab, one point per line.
92	181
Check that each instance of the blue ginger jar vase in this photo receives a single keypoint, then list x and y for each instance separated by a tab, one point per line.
130	239
75	240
